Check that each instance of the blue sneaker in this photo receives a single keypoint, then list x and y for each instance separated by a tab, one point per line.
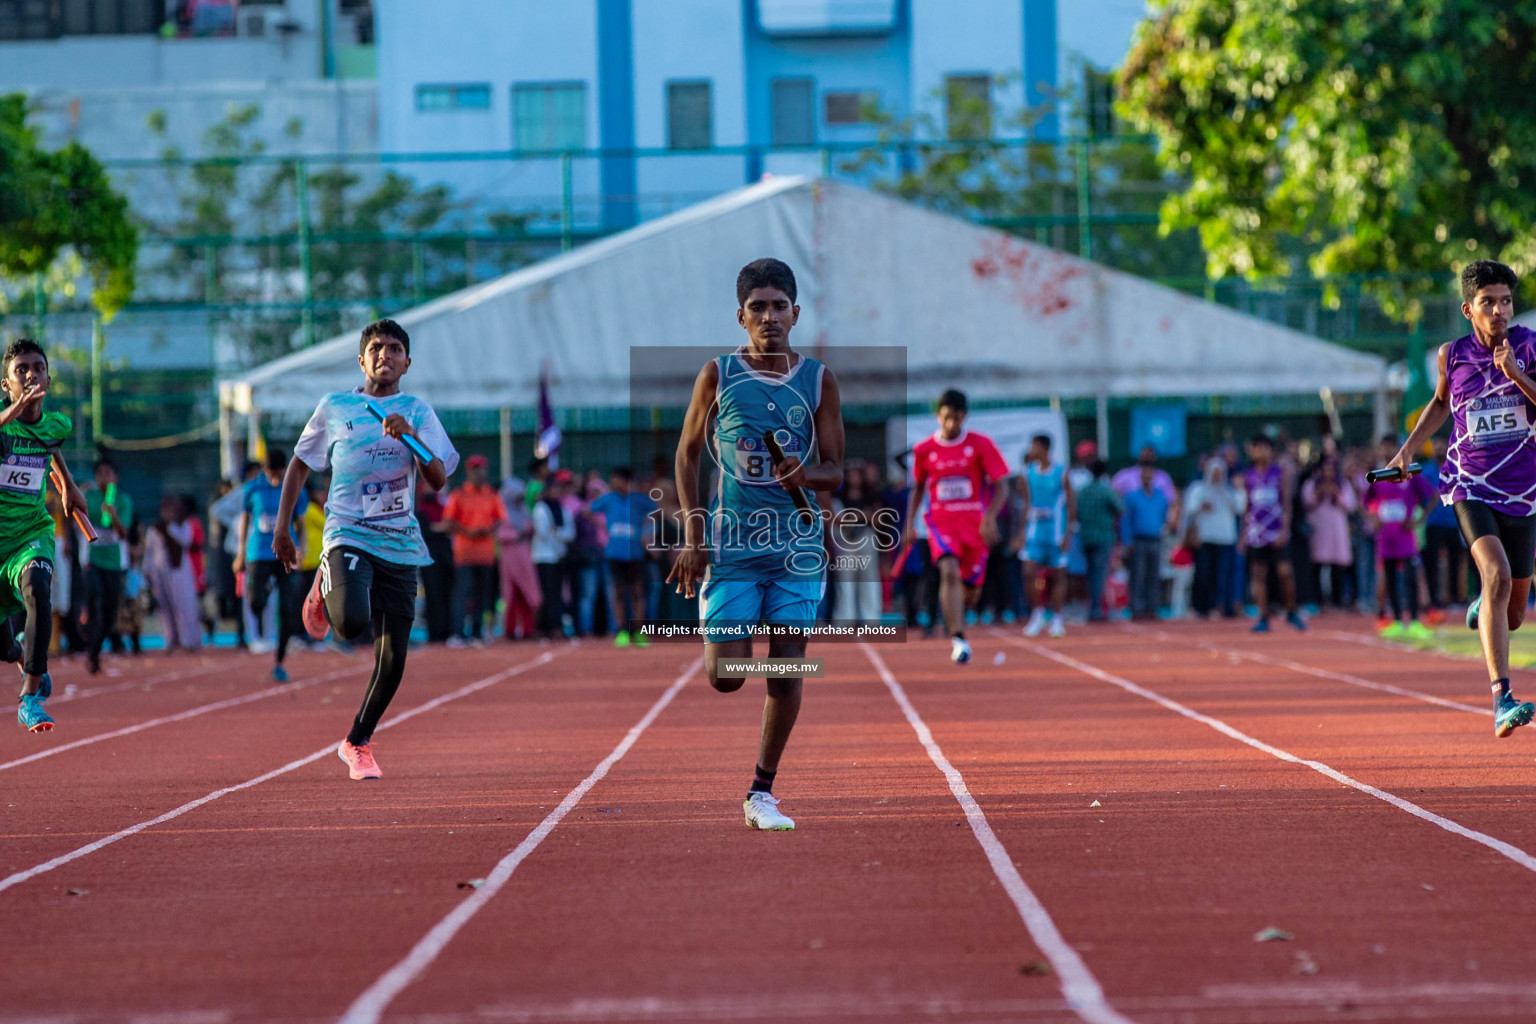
279	674
1472	610
1511	715
1262	626
1297	621
30	713
47	688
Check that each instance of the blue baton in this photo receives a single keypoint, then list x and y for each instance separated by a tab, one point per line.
417	448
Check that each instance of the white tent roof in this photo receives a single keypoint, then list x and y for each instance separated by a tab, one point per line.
974	308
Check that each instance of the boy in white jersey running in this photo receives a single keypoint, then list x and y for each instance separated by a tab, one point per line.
373	544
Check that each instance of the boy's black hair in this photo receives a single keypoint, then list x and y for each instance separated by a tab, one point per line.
383	329
277	459
1388	439
1098	467
623	473
1043	440
1263	439
20	347
1479	274
537	463
952	399
103	460
765	273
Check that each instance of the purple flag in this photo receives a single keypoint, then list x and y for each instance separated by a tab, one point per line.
548	444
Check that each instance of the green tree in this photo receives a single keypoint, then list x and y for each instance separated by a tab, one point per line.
1029	188
54	203
1351	137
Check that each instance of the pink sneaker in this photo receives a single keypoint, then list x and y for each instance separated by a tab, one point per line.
313	615
360	762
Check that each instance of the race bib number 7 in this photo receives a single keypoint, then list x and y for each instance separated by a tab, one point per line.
387	499
23	474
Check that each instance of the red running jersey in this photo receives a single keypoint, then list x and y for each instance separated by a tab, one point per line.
958	475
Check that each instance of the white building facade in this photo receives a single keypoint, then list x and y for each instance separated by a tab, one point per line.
676	100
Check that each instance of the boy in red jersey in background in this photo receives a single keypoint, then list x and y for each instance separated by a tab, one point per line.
960	473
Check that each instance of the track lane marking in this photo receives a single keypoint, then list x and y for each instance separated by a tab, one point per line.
1082	990
374	1000
1320	673
330	749
1499	846
182	716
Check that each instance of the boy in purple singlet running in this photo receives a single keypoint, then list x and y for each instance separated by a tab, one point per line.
1489	476
1267	531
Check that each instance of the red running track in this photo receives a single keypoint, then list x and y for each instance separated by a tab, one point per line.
1095	829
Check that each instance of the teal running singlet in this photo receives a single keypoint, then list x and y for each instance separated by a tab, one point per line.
756	532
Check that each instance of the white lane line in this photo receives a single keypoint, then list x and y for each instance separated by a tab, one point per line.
328	750
1081	989
72	694
182	716
1321	673
372	1003
1499	846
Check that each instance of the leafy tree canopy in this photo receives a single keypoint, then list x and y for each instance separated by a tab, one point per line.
1358	136
62	200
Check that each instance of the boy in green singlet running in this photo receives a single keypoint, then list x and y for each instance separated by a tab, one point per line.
29	440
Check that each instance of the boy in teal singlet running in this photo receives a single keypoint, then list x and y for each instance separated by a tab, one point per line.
765	561
29	440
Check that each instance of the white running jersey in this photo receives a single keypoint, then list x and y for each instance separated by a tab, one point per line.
372	503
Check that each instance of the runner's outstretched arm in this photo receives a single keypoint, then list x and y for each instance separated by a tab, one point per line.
688	570
1430	420
294	479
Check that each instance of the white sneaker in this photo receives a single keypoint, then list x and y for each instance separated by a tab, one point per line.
1036	623
1058	628
959	650
763	813
457	642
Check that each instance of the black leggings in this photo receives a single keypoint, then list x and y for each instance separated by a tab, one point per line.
363	592
1400	577
264	577
37	630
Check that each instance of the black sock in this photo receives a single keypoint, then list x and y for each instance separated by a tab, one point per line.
1500	691
762	781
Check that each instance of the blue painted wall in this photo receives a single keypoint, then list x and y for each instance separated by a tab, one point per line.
1040	63
616	110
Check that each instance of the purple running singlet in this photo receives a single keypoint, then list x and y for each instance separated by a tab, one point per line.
1266	505
1492	455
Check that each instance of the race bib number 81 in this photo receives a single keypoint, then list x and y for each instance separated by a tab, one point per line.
753	463
387	499
23	474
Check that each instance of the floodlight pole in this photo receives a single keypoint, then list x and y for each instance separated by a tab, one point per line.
567	202
301	186
98	343
1084	201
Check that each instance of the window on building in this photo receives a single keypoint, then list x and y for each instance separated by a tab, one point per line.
476	96
1099	102
114	17
688	116
28	19
846	107
968	106
549	115
794	111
